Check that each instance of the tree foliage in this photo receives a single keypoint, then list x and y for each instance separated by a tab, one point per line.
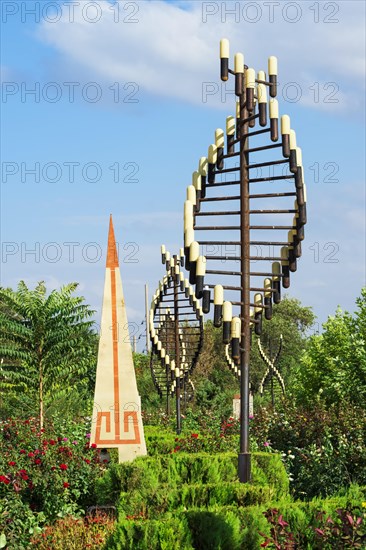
47	344
334	366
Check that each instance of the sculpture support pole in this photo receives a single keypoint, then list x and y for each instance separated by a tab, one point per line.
167	368
168	390
270	355
184	396
244	461
177	350
147	319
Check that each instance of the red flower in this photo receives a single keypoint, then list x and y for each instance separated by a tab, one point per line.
87	460
52	442
194	435
4	479
93	446
63	466
66	485
22	452
11	463
38	461
30	455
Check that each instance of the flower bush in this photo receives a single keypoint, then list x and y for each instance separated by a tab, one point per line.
323	448
230	427
44	473
156	417
70	533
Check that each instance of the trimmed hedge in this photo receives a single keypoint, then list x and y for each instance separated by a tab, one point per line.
156	492
194	501
301	517
149	473
231	527
152	504
167	534
159	441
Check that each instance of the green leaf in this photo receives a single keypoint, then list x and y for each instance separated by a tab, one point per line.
2	540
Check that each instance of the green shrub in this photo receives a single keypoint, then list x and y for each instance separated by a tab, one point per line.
107	487
152	502
167	534
177	469
212	530
159	441
271	467
152	486
233	527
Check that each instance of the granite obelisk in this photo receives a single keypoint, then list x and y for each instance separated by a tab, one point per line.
117	421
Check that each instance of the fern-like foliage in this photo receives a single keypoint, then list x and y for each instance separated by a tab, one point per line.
47	342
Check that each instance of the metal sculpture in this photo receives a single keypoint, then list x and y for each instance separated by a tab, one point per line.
247	241
272	373
176	334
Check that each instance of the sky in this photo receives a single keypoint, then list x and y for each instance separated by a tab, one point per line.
107	107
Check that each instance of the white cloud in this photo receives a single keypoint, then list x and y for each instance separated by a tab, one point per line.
170	51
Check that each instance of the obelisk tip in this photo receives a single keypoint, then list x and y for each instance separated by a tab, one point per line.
112	256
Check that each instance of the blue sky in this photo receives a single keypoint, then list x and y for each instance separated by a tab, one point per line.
127	98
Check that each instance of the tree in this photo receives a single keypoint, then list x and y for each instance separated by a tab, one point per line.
334	366
47	344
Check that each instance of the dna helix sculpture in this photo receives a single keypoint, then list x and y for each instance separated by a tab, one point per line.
241	169
176	334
